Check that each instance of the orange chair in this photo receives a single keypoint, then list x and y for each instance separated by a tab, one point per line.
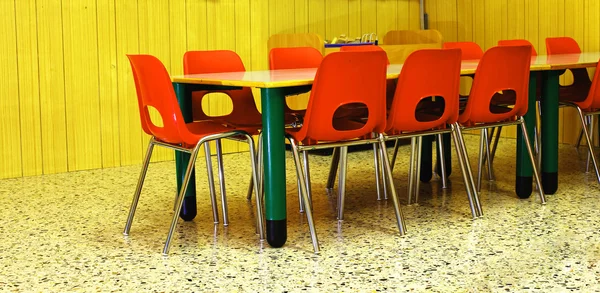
581	94
470	50
425	74
589	107
506	69
579	89
344	78
294	58
518	42
244	115
154	90
362	113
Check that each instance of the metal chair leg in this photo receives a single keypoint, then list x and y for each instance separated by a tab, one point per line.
591	129
258	159
418	172
222	182
411	167
469	172
304	191
186	180
388	172
481	160
395	154
536	173
211	183
307	175
463	169
384	185
377	174
335	160
342	181
488	155
257	189
138	188
589	143
440	143
495	145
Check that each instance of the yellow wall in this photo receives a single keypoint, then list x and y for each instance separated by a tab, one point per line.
487	21
67	96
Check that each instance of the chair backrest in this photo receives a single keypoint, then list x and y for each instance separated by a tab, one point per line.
346	78
470	50
294	57
216	61
364	48
593	98
426	73
501	68
562	45
154	89
518	42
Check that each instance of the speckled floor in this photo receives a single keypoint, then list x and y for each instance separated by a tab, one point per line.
63	233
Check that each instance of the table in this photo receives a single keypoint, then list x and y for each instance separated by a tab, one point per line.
276	84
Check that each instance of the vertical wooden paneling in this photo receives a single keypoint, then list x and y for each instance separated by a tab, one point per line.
281	17
464	20
403	12
221	36
127	36
354	19
386	16
414	15
301	16
446	20
196	28
29	96
109	97
316	18
242	47
368	16
52	86
515	19
337	18
10	132
81	84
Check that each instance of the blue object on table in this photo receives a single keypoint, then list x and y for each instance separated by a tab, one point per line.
348	44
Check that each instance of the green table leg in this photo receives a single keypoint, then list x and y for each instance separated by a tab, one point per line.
550	87
524	177
188	210
274	165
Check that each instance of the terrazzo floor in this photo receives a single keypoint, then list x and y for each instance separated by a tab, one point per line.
63	233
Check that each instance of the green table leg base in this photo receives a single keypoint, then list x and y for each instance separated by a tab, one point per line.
188	209
276	232
550	182
523	186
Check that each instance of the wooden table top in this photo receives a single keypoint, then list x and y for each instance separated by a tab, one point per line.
300	77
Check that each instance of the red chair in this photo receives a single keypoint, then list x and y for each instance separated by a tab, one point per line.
506	69
154	90
244	113
518	42
590	105
470	50
425	74
294	58
243	116
344	78
362	114
579	89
